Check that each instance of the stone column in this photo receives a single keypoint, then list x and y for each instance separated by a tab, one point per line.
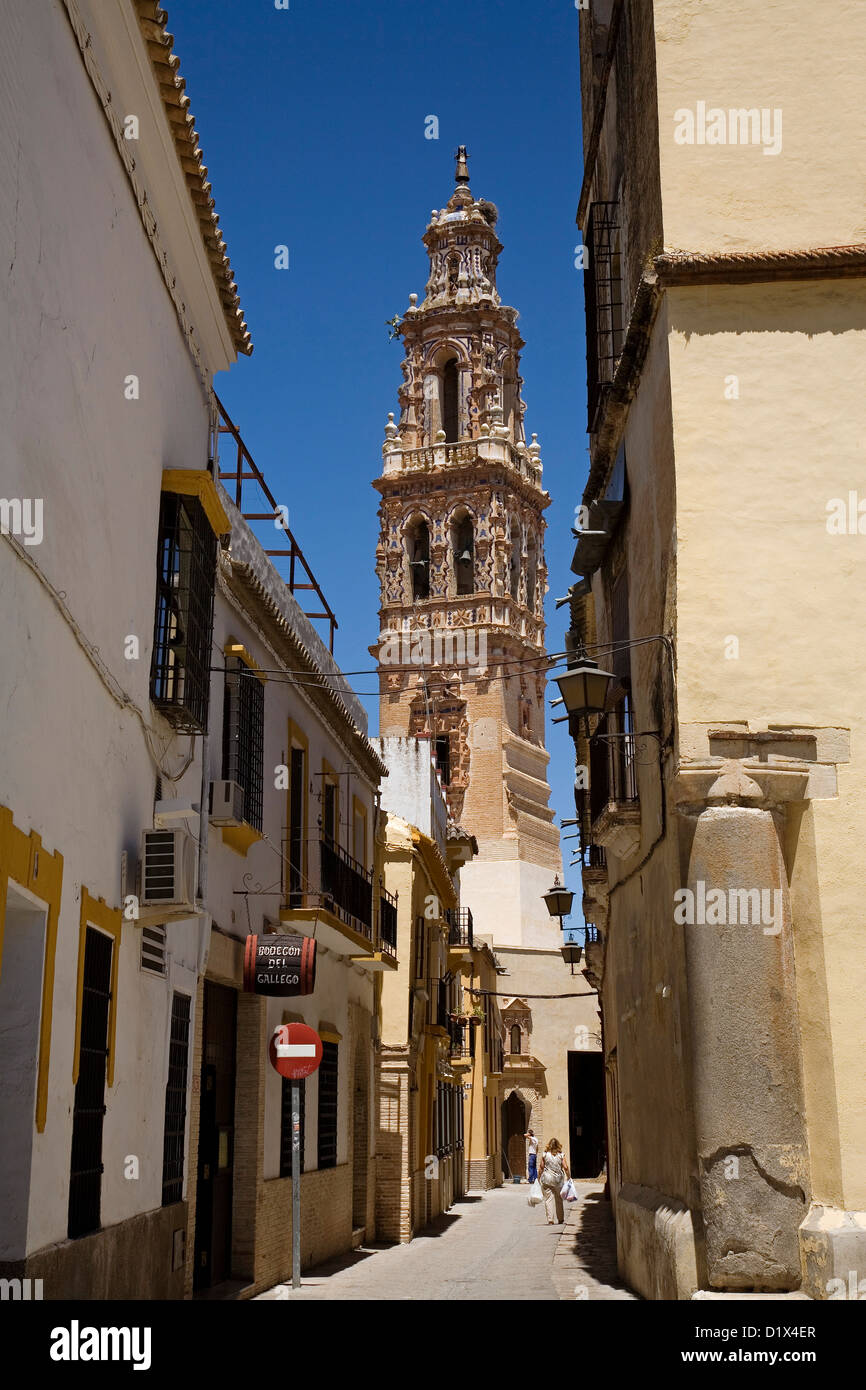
748	1096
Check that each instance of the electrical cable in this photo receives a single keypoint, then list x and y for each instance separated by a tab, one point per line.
112	685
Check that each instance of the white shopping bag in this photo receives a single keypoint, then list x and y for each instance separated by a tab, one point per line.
568	1191
535	1194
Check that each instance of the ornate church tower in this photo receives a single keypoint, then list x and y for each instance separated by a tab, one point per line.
461	566
461	653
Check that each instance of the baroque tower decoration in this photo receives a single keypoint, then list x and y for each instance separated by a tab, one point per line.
462	576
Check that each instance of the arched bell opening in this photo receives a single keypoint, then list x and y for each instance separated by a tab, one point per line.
418	554
463	553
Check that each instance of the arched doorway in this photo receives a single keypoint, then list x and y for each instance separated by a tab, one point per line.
513	1130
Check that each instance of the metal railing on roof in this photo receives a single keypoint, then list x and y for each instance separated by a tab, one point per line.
247	470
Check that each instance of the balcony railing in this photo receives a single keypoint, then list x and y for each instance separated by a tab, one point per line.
347	887
457	1033
466	451
459	921
437	1007
594	857
612	763
388	922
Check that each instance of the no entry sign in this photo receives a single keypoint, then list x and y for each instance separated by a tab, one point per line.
295	1050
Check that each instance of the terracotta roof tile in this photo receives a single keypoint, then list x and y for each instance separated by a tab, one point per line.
152	20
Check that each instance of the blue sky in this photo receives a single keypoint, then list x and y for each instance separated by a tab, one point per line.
312	125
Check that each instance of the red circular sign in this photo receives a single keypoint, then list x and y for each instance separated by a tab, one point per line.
295	1050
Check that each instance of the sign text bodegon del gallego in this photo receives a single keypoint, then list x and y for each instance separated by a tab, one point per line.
280	965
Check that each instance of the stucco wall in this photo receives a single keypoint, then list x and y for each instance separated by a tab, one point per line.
786	55
85	305
771	575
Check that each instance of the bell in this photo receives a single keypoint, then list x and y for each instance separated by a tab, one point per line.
465	557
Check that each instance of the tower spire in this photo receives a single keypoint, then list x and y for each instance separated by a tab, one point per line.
462	179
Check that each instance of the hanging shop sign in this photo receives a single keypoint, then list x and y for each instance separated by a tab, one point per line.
280	965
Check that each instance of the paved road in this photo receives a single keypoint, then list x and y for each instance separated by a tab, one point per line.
490	1245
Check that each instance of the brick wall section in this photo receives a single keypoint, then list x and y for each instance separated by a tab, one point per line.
249	1132
326	1223
361	1120
483	1174
395	1215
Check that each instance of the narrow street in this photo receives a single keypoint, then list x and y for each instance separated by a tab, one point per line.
490	1245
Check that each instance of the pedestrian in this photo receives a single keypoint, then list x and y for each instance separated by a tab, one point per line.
533	1155
552	1174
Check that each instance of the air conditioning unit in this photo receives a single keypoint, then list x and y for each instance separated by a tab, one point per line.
169	871
226	803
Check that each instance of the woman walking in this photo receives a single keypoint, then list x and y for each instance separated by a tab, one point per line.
533	1155
552	1174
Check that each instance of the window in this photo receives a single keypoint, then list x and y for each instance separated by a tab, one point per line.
329	812
88	1111
531	571
175	1102
286	1125
153	949
327	1157
450	401
604	302
443	758
515	1038
509	395
444	1120
420	948
419	559
244	735
457	1096
515	560
297	784
359	837
183	627
462	550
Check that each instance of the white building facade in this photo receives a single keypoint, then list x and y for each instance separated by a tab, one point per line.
142	1130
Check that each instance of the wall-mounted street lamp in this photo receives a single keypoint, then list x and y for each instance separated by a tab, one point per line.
558	900
584	687
572	954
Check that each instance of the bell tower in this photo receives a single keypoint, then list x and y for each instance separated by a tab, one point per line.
461	567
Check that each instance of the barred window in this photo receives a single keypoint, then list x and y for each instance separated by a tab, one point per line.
244	735
183	626
295	833
604	302
175	1102
327	1156
286	1125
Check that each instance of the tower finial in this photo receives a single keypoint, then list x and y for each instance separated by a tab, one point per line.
462	178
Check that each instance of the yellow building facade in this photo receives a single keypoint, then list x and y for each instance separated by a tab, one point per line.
724	276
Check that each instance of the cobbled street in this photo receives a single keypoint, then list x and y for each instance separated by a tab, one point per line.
490	1245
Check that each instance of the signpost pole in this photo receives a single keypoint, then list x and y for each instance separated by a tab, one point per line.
296	1184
